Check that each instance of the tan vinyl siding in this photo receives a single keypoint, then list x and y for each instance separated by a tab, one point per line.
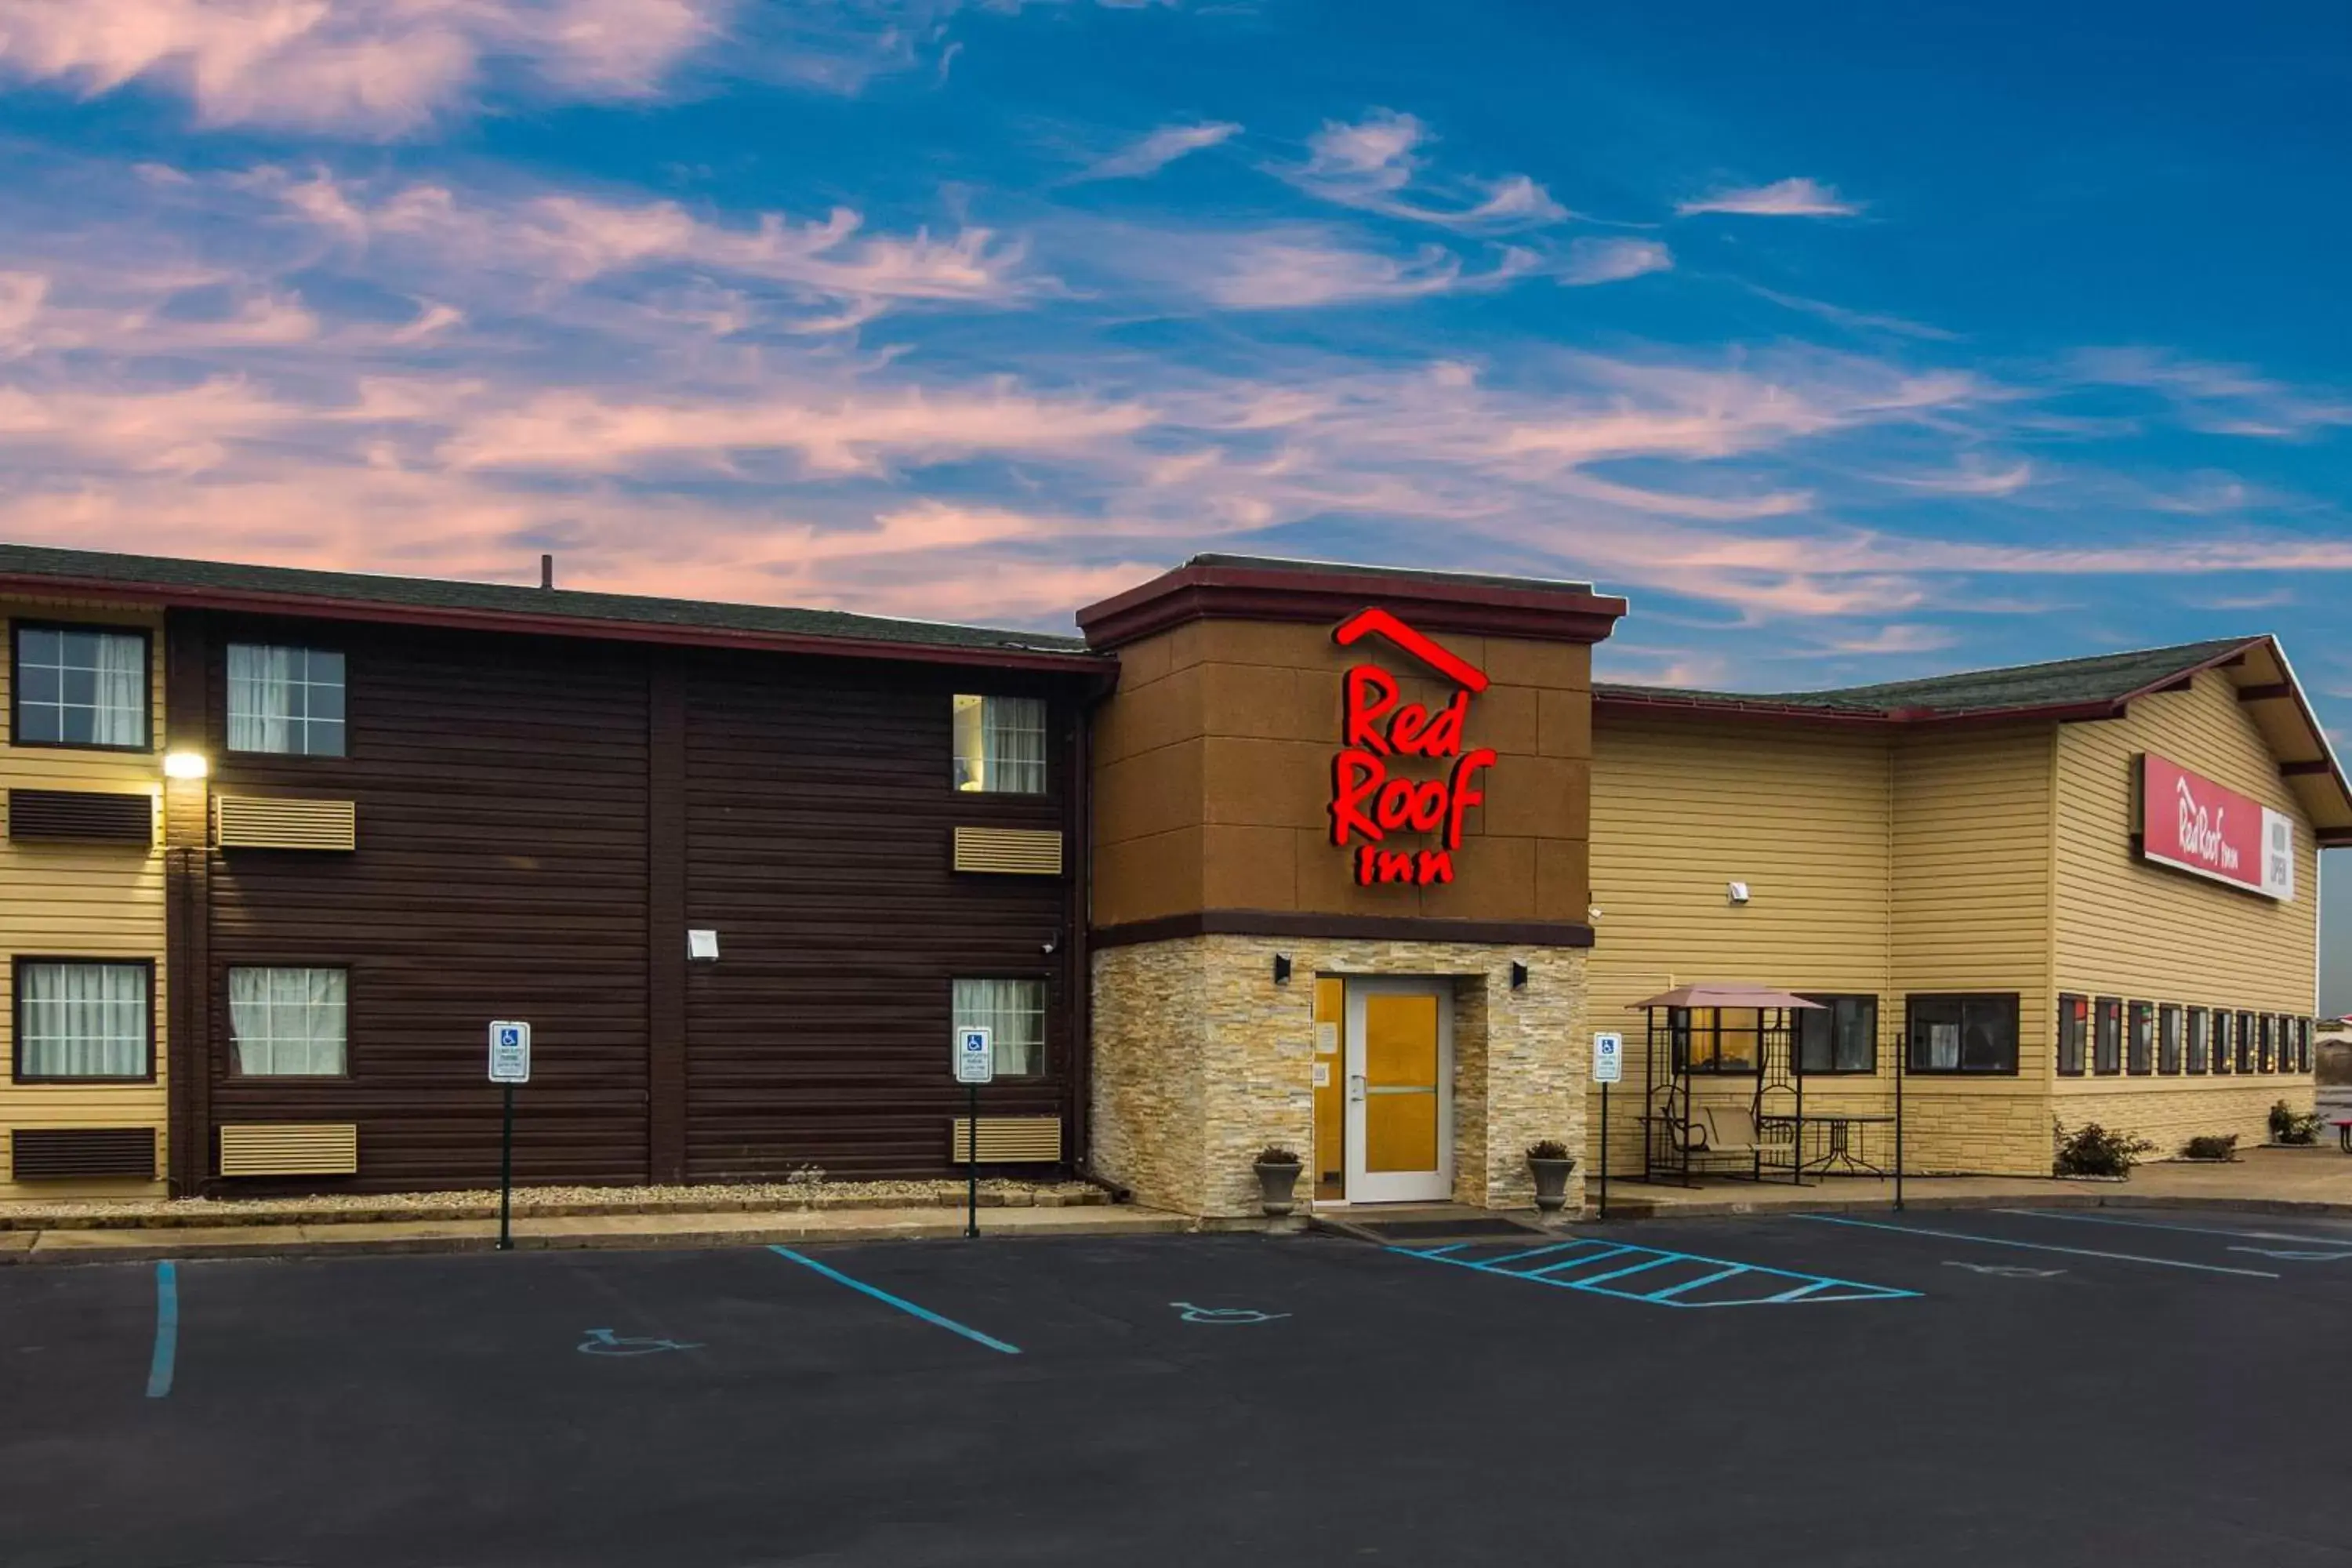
1973	820
2142	931
1680	810
76	900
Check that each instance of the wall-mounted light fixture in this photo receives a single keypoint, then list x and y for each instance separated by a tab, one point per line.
1519	976
1737	892
702	947
1282	969
185	765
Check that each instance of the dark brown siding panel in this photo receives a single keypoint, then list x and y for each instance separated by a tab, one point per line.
666	914
501	873
818	814
67	1154
81	816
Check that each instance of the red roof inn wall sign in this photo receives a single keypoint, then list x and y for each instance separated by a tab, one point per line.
1402	777
2189	821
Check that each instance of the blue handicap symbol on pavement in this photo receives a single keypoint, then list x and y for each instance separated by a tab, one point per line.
1192	1314
602	1341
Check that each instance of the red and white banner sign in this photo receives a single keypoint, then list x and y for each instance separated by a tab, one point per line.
2189	821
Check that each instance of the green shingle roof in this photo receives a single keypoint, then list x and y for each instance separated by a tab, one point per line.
29	560
2059	683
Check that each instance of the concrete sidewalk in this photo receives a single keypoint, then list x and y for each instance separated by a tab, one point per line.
618	1231
2312	1180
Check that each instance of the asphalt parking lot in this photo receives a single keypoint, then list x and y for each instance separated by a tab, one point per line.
1927	1388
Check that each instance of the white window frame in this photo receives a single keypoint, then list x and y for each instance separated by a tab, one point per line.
298	732
1001	744
38	1019
1017	1030
136	724
300	997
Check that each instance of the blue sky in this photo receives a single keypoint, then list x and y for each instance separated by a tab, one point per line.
1850	341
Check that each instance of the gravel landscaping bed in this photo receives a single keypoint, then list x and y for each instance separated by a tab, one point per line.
98	1214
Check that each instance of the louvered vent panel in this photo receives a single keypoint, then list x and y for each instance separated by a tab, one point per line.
1009	1139
81	816
250	822
72	1153
290	1149
1015	851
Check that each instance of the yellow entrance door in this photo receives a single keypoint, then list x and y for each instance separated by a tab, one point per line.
1399	1044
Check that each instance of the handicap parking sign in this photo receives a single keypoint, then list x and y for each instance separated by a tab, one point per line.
510	1052
1608	1058
975	1055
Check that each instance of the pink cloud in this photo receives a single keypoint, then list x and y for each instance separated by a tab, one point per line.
1797	198
364	67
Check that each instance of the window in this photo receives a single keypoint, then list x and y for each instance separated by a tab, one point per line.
2224	1039
1717	1039
1013	1012
2108	1053
81	686
2246	1042
289	1022
1842	1036
2168	1038
2266	1033
2200	1041
1000	744
2302	1045
80	1019
285	700
2073	1028
2143	1039
1963	1034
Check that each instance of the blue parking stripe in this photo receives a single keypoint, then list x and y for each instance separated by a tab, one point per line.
167	1330
1544	1251
2035	1245
1694	1284
1630	1269
900	1302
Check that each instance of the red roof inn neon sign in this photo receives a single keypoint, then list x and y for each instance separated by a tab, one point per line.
2188	821
1369	799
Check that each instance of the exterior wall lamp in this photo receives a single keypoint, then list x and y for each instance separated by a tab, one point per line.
1282	969
1519	976
185	765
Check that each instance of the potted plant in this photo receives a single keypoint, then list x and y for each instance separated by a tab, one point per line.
1277	1176
1550	1162
2292	1128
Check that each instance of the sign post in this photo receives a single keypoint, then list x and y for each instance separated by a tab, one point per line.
509	1065
1608	1066
975	1064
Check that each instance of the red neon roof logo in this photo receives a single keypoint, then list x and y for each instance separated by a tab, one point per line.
1365	622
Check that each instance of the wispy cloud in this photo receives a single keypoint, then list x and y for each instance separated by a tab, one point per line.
360	67
1612	260
1796	197
2217	399
1972	476
1377	164
1859	321
1890	640
1162	148
1298	271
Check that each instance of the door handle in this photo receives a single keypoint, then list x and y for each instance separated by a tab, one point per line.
1356	1085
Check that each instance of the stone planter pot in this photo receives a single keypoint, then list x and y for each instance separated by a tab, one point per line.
1276	1184
1551	1183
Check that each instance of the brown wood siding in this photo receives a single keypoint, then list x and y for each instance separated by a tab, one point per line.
819	816
501	873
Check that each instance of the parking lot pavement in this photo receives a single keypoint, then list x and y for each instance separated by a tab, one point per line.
2012	1388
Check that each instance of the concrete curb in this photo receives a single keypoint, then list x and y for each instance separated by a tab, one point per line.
31	1249
1641	1209
457	1214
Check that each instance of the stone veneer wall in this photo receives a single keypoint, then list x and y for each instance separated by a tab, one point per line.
2172	1115
1201	1059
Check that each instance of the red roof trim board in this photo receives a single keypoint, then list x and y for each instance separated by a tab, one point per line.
324	607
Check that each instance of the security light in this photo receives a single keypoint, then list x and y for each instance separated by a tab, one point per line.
185	765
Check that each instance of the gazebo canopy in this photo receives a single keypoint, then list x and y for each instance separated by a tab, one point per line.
1722	993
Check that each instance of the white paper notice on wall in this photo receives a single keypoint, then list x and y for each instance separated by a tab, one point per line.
1322	1074
1327	1039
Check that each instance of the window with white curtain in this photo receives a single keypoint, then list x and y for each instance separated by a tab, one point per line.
1000	744
289	1022
80	1019
81	686
285	700
1013	1012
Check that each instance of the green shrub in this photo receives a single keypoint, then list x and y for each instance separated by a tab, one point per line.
2212	1146
2291	1126
2092	1151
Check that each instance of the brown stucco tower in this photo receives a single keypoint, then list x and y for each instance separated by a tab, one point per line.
1339	879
